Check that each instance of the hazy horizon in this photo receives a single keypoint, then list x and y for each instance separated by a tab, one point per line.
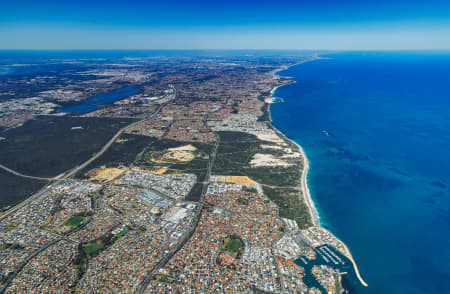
294	25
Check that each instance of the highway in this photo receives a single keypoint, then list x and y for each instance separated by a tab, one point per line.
143	285
71	172
58	179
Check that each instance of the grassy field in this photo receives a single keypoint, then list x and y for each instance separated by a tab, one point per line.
231	250
74	221
92	248
232	244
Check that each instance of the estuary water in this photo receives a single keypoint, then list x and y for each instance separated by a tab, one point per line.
376	130
103	98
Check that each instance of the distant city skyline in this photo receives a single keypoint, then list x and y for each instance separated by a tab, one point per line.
315	25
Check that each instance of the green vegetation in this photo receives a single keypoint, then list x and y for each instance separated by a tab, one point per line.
122	233
141	229
207	207
45	146
243	201
9	227
92	248
231	249
77	220
249	189
123	153
234	154
56	208
163	279
80	264
290	205
15	189
231	244
74	221
195	193
265	108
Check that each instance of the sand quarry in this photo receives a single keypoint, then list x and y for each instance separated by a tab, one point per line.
183	153
104	174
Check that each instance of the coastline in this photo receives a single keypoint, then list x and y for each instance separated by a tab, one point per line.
315	218
314	214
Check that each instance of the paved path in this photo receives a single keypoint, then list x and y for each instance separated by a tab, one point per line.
22	175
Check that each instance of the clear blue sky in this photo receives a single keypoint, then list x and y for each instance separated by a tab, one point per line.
276	24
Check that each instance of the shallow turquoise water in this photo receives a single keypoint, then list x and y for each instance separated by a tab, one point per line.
376	130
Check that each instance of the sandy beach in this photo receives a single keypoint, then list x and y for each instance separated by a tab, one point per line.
304	177
304	182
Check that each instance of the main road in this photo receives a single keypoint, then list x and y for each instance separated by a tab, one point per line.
143	285
56	180
22	175
69	173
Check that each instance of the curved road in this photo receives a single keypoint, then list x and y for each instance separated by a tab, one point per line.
58	179
22	175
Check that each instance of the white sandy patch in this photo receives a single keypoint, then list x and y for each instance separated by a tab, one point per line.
271	137
260	159
184	148
292	155
182	153
271	147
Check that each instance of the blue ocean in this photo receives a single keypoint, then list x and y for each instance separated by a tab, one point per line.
376	130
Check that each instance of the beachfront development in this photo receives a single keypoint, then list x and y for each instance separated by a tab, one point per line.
196	193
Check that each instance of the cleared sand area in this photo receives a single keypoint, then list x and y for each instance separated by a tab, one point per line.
161	170
235	179
271	137
180	154
261	159
104	174
275	147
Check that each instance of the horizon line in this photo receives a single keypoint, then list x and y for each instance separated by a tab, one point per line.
217	49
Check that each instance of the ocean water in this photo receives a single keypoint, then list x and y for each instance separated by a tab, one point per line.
376	130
